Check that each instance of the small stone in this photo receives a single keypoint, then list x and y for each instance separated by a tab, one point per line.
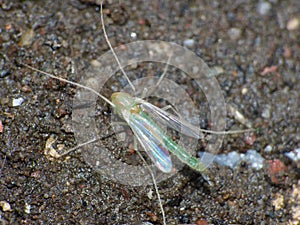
4	101
133	35
268	148
293	24
4	73
49	151
27	208
5	206
95	63
254	159
244	91
188	43
234	33
276	170
266	112
263	8
27	38
201	222
278	202
1	127
217	70
17	102
150	194
293	155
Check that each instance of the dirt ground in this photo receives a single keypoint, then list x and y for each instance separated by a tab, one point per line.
255	43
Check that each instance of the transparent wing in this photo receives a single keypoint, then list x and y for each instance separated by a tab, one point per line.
150	136
174	122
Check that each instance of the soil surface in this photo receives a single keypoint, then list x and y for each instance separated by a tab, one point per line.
254	46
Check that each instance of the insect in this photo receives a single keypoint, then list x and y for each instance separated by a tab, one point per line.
144	120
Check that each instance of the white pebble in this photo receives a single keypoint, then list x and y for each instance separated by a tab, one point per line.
5	206
233	159
294	155
254	159
263	8
17	101
234	33
244	91
293	24
266	112
27	208
188	43
268	148
133	35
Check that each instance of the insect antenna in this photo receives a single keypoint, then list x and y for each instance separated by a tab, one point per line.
68	81
111	48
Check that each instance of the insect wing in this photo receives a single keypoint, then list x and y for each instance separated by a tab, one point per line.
149	136
170	120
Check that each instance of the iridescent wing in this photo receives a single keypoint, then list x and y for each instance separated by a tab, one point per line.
151	137
171	121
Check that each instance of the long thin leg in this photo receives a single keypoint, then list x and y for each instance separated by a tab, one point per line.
153	88
153	179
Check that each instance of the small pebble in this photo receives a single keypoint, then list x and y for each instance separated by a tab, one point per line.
188	43
95	63
263	8
293	155
254	159
233	159
276	170
268	148
4	73
5	206
27	208
278	202
201	222
293	24
266	112
217	70
27	38
244	91
234	33
133	35
17	102
1	127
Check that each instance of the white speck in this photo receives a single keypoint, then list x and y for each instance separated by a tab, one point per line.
268	148
294	155
27	208
234	33
150	194
133	35
188	43
293	24
263	8
244	91
266	112
17	101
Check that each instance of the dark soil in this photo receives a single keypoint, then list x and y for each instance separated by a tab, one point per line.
261	60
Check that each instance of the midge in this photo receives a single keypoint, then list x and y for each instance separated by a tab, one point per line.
141	115
144	119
